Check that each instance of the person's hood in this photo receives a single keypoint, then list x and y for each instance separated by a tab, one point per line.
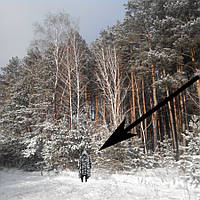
84	153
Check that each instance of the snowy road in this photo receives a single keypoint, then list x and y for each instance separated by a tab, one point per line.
158	184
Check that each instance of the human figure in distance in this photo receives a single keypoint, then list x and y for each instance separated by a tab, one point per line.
84	166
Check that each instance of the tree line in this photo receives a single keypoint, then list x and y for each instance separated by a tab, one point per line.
72	94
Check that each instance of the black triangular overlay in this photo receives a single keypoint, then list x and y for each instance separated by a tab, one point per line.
121	134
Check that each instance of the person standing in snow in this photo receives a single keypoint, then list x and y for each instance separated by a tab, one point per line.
84	166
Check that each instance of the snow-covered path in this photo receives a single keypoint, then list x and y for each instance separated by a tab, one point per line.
156	184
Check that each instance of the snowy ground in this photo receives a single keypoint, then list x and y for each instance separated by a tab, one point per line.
156	184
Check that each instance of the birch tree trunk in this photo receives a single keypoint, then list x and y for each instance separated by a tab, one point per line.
142	133
78	86
110	81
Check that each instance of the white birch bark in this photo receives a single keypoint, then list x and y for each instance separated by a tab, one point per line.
107	77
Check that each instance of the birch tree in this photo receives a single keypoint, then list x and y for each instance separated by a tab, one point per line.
53	34
111	81
79	62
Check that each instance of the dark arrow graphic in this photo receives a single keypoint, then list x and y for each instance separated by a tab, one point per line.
121	134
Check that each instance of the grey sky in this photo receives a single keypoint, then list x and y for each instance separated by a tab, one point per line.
18	16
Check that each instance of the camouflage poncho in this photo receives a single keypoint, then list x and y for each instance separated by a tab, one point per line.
84	165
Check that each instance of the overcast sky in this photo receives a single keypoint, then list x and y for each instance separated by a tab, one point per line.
18	16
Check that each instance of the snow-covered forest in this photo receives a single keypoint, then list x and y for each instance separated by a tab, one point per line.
66	95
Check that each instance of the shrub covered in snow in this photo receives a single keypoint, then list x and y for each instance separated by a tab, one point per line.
190	160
